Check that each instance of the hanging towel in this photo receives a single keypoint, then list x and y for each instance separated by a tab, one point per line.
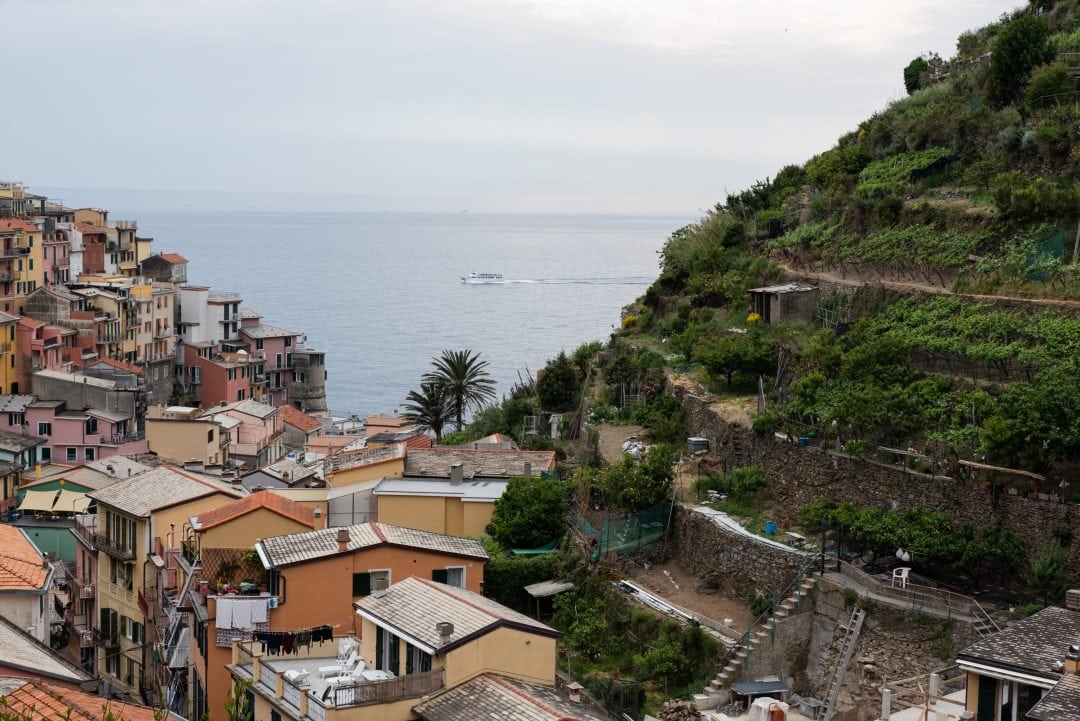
259	610
242	614
225	613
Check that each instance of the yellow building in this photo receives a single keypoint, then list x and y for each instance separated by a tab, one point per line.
178	434
420	641
9	377
21	263
137	538
457	508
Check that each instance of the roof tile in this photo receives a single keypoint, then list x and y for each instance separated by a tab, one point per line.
270	501
299	547
21	564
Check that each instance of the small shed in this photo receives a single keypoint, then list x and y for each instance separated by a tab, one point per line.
547	589
790	302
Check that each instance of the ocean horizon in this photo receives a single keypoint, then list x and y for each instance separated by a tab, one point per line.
382	293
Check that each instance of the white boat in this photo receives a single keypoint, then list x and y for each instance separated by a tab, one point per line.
477	278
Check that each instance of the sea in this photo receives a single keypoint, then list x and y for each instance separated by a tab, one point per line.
382	292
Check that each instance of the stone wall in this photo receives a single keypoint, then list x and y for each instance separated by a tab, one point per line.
799	475
730	561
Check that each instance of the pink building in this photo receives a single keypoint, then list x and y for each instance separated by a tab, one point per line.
82	436
256	429
41	347
55	248
213	377
271	350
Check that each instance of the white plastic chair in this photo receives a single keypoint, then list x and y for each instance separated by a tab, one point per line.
901	575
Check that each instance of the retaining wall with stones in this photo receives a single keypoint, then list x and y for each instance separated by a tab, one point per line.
799	475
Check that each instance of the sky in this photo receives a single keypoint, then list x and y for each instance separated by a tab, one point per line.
623	106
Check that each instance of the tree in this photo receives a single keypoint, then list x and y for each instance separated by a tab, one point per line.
530	512
913	73
1048	84
1024	44
558	386
728	354
1046	572
634	485
429	408
465	380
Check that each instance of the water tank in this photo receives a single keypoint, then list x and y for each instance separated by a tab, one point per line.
696	444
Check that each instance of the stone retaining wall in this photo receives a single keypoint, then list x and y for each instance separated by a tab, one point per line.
799	475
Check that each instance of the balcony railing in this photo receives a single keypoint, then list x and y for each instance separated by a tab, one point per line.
113	548
401	687
86	590
84	528
190	552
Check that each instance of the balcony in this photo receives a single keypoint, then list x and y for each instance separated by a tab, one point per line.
6	276
127	225
86	590
85	527
113	548
106	639
86	639
190	553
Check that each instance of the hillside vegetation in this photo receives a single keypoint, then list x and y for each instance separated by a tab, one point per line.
968	186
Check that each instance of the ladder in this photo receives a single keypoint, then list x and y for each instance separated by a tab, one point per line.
850	636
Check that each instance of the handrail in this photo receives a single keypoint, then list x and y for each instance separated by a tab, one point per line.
916	595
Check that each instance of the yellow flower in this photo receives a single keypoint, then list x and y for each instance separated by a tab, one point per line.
753	319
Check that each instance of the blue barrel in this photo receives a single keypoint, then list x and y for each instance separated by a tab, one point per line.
770	528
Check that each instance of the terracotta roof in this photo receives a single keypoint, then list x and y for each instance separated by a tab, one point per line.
37	700
16	224
119	365
173	257
491	463
299	419
298	547
270	501
497	697
21	566
415	606
30	322
88	228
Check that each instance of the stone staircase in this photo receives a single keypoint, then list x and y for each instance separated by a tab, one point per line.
736	660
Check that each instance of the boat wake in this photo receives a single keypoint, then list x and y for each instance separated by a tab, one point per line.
629	280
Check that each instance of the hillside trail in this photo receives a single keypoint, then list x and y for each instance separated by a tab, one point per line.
855	280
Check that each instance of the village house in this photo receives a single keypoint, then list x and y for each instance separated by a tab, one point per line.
453	490
103	387
419	639
21	263
40	346
299	428
25	657
1028	670
257	434
39	700
9	352
25	578
19	454
286	473
165	268
179	434
137	539
75	436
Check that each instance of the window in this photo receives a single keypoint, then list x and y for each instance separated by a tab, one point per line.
89	453
387	652
416	661
278	360
258	344
44	429
112	664
210	436
240	394
16	419
91	425
46	453
365	583
72	453
455	576
288	342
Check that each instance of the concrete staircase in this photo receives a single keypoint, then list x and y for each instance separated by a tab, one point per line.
736	660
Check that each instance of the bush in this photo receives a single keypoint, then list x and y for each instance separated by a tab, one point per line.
1024	43
766	423
1048	84
559	386
530	512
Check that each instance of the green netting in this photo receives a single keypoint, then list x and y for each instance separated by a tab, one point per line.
546	548
625	532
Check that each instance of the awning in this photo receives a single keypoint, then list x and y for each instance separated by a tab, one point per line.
37	501
71	502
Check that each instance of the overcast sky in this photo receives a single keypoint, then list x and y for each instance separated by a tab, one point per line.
489	105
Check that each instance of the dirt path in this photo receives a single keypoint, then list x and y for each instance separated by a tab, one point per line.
676	585
612	437
908	285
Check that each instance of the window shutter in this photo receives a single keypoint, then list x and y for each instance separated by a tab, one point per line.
395	656
379	635
361	584
409	653
439	575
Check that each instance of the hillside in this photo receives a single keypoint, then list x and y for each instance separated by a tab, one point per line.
942	236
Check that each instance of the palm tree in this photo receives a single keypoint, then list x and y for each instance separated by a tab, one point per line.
467	384
429	408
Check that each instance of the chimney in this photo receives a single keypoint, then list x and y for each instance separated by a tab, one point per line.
1072	659
456	474
318	519
342	539
528	469
445	629
380	587
573	690
1072	600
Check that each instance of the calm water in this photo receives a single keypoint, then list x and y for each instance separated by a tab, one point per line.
381	293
